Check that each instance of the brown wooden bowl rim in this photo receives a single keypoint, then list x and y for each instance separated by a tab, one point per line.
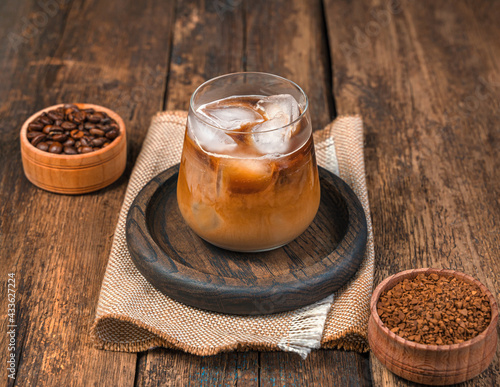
393	279
116	142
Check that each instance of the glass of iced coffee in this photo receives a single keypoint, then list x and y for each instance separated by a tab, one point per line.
248	179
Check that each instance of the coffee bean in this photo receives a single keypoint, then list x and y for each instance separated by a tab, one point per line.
89	110
76	134
37	126
106	120
84	141
68	125
86	149
97	142
43	146
55	147
58	122
56	130
59	137
94	118
47	128
46	120
54	115
69	150
32	135
69	142
38	139
97	132
112	134
79	117
89	125
105	144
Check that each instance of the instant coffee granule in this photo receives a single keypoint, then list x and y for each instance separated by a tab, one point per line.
434	309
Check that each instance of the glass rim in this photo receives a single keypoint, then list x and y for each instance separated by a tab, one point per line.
202	119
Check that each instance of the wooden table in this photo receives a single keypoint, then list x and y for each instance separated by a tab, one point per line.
425	76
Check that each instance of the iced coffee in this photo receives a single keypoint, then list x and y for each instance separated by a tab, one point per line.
248	179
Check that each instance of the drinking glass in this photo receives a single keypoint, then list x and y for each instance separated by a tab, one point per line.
248	179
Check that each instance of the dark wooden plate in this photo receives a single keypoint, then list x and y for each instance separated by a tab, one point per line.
186	268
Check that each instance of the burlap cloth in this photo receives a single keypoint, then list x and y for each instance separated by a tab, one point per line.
132	316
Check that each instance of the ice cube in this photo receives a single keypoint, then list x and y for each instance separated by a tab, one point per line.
281	110
281	104
229	116
246	175
209	138
272	136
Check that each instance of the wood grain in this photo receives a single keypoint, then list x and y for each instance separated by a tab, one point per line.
288	38
321	368
174	368
58	245
184	267
425	79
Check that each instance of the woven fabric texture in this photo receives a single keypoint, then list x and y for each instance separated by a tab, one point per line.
133	316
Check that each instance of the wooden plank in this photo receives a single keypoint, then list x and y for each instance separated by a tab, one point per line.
288	38
162	367
207	42
111	53
321	368
222	37
425	78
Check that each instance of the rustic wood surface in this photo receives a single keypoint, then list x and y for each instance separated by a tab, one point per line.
424	75
184	267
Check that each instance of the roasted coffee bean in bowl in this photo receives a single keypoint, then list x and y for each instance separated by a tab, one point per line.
71	130
433	326
73	148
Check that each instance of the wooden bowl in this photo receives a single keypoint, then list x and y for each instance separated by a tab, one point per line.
432	364
75	174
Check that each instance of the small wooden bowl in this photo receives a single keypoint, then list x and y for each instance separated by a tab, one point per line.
432	364
75	174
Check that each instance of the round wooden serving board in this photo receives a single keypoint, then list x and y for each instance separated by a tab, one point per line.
186	268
